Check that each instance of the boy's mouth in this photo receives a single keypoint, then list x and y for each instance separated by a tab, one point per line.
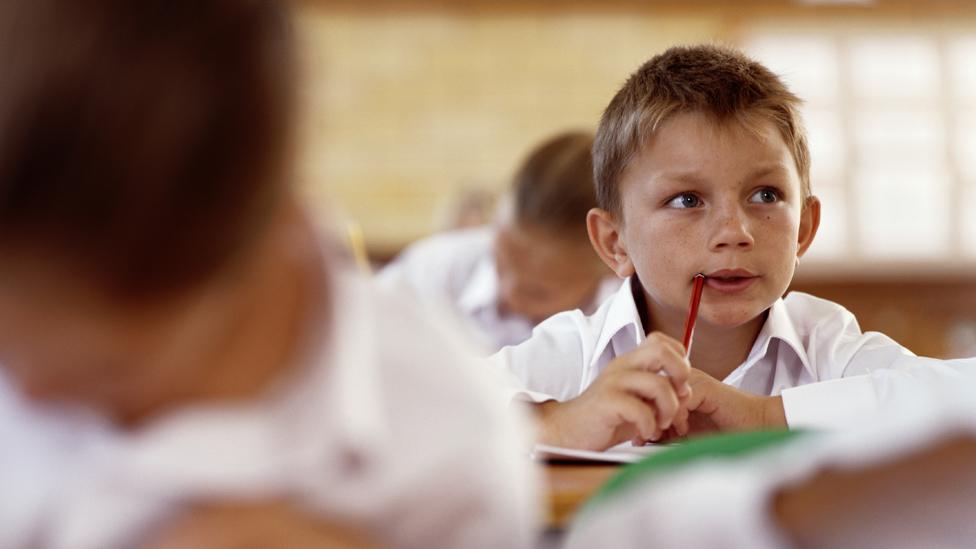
730	280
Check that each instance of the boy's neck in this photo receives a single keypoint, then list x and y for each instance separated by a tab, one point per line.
718	350
280	297
715	350
281	303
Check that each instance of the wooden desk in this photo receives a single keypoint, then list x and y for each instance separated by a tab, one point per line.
569	486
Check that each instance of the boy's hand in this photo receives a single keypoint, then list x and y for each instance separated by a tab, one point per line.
253	525
630	400
715	406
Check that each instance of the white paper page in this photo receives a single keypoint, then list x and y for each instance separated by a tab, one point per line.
621	453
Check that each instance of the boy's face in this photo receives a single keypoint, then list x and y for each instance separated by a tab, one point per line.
541	274
716	199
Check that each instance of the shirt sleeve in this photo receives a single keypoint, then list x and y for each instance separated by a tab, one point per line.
908	386
513	389
853	371
549	365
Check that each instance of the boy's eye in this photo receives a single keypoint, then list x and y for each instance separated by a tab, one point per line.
684	200
766	195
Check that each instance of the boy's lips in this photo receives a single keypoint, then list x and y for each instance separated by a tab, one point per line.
730	280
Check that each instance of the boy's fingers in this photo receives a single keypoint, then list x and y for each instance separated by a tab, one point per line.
632	410
676	367
678	376
655	359
652	353
670	435
657	338
695	400
680	423
697	377
653	389
707	391
671	360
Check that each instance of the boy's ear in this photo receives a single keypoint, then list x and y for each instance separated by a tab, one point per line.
604	232
809	223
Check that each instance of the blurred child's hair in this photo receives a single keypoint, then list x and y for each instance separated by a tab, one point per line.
553	188
143	143
718	81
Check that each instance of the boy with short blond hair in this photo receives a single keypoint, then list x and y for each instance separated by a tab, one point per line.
701	166
718	81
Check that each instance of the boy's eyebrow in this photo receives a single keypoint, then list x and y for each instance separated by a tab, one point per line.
769	169
688	177
695	178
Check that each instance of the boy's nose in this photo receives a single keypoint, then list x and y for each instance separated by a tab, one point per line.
731	232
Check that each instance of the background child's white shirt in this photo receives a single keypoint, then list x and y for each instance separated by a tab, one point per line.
804	340
726	502
391	429
458	269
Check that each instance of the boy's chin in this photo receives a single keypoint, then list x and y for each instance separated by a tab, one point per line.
728	318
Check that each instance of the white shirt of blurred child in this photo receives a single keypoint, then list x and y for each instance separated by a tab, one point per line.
390	428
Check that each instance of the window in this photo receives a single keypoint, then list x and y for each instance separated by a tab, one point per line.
892	125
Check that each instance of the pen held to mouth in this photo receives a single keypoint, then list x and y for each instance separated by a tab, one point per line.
699	284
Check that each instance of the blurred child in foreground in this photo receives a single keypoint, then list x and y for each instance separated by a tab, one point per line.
180	361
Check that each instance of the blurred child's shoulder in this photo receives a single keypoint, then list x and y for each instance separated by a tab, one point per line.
409	336
441	262
471	242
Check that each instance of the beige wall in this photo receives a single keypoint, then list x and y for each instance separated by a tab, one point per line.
405	109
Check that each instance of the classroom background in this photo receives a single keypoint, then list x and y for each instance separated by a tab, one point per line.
418	111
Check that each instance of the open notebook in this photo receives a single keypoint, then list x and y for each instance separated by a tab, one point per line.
621	453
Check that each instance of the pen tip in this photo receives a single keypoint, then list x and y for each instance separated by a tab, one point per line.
698	275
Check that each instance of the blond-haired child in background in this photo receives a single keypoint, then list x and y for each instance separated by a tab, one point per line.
532	263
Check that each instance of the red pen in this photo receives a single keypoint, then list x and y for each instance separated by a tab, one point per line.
696	294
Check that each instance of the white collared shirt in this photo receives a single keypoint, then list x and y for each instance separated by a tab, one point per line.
458	269
389	428
803	341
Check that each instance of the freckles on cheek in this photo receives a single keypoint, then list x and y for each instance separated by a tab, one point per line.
663	264
782	221
686	241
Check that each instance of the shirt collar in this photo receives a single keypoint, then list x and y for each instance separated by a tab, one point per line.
623	324
779	325
481	290
622	318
